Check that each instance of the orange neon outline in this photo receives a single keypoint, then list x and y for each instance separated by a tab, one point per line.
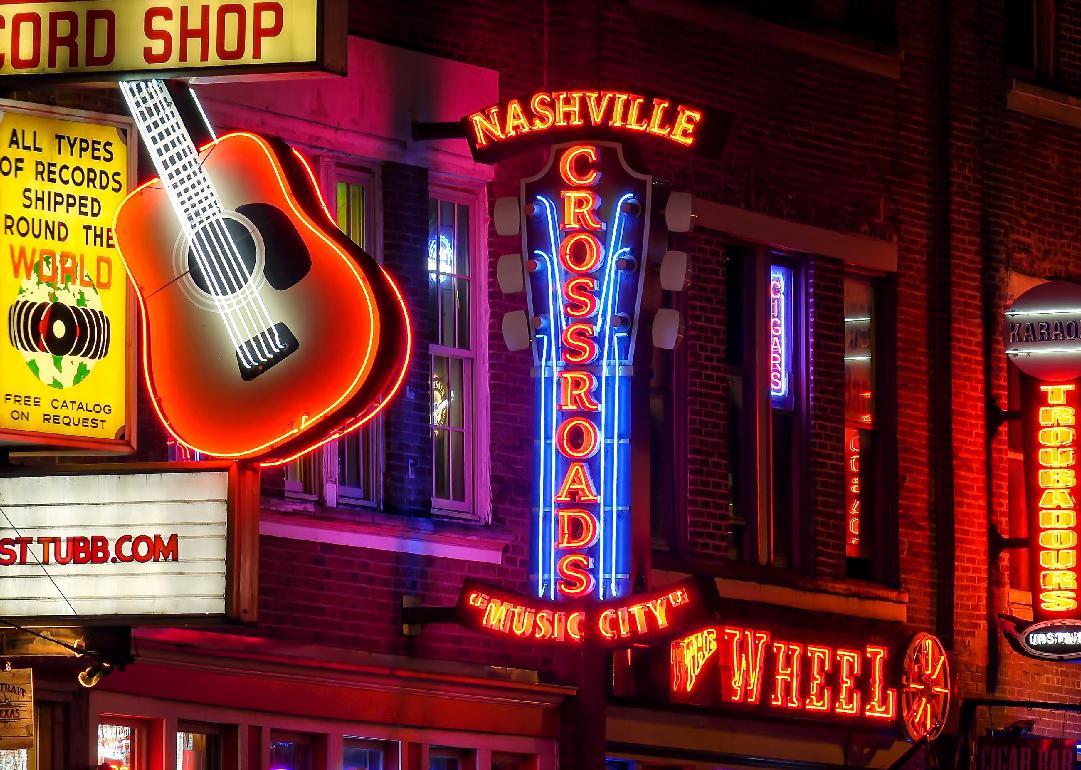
572	396
744	684
592	252
789	674
591	439
580	479
589	528
820	663
579	347
846	680
875	707
303	218
585	586
566	166
580	304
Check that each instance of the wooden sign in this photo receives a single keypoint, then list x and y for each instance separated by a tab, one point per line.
16	709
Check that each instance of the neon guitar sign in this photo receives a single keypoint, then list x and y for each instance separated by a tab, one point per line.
265	330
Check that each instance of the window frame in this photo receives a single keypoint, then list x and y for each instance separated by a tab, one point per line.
322	466
879	477
477	504
373	433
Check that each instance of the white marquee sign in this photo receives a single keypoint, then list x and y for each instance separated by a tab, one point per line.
116	544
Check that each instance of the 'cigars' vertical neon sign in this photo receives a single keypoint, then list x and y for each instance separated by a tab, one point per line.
584	236
1051	459
780	336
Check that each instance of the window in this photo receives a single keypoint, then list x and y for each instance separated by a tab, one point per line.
357	452
121	744
198	748
766	407
290	753
440	758
453	340
506	761
347	470
1030	30
869	466
368	755
872	20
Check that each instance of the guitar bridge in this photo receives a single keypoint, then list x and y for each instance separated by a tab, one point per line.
278	341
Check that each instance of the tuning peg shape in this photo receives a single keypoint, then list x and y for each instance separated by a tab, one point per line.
667	329
507	214
679	212
516	330
674	271
508	271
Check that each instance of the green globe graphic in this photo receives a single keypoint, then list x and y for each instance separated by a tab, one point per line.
58	371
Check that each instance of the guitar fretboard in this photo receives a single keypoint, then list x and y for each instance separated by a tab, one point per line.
175	157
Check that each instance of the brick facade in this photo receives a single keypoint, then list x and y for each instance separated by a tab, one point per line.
931	161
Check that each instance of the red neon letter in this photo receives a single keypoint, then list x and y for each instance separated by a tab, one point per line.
819	662
587	532
579	347
580	210
882	703
577	486
580	301
580	252
541	104
574	577
743	684
848	668
577	438
576	391
567	169
786	674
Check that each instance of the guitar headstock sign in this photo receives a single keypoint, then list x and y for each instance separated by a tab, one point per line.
584	234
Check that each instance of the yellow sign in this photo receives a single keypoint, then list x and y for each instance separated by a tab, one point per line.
16	709
65	355
156	37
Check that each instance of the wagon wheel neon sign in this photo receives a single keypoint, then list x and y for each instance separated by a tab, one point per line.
925	688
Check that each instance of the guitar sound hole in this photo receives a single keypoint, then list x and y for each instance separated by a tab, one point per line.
229	267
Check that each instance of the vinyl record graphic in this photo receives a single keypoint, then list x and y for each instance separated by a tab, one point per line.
60	330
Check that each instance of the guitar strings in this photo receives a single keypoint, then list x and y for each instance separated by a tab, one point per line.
140	101
227	277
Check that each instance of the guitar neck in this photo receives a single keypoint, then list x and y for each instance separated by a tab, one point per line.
174	155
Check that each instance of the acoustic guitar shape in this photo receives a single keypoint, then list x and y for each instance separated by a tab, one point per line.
265	329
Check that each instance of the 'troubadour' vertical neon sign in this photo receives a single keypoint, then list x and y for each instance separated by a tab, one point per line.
1051	460
586	228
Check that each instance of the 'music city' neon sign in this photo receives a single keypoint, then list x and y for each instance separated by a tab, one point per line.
585	234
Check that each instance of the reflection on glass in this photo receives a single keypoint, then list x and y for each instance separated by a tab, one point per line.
197	751
116	746
290	755
859	403
362	756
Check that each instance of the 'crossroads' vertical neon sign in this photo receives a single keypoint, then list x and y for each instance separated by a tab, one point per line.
584	235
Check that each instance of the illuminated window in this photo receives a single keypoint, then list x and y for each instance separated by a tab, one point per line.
785	341
198	748
452	345
869	519
859	413
506	761
351	464
121	744
357	453
15	759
